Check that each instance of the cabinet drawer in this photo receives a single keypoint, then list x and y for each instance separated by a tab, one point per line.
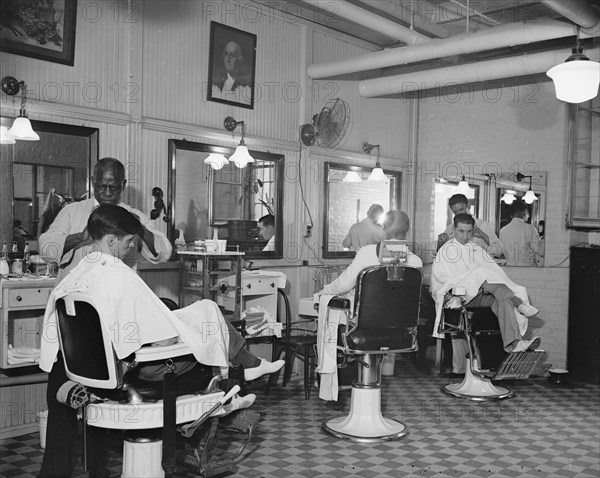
28	297
258	285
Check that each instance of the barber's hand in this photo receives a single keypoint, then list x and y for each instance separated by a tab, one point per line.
481	235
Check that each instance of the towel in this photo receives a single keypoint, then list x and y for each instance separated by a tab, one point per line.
22	354
328	323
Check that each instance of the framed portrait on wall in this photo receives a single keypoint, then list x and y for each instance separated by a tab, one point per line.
232	60
44	29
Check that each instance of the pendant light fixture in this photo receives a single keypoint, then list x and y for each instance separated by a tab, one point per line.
352	177
241	157
21	128
377	174
529	195
577	79
216	160
463	186
508	197
5	136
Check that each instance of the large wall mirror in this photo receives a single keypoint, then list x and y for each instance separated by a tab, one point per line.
348	196
40	177
231	200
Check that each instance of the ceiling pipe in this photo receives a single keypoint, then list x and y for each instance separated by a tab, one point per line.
579	12
344	9
521	65
486	39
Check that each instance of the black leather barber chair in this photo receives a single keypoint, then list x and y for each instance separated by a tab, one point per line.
148	411
384	320
487	359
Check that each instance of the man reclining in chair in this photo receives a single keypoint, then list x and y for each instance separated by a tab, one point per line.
137	317
461	262
395	227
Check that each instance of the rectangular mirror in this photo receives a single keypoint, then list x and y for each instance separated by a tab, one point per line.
347	200
233	200
46	175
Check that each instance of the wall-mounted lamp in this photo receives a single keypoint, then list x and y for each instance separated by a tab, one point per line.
509	197
241	157
216	160
21	128
577	79
463	186
529	195
377	174
352	177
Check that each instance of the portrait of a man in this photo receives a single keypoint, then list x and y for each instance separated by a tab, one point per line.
231	66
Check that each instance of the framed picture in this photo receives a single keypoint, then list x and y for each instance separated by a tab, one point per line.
232	60
44	29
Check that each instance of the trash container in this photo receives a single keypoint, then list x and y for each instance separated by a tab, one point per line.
43	421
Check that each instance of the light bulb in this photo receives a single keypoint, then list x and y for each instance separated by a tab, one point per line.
508	198
241	157
21	129
463	187
529	197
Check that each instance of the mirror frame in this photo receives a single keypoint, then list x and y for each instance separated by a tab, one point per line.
65	129
327	254
279	159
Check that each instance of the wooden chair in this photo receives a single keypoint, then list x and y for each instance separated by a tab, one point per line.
295	340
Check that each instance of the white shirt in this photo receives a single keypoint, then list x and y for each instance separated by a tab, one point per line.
521	243
270	245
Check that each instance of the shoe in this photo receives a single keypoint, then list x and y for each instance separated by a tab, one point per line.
527	310
264	368
238	403
527	345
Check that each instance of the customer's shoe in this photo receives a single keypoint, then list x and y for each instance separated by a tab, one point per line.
527	310
527	345
238	403
264	368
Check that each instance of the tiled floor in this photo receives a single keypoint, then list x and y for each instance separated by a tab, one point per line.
545	432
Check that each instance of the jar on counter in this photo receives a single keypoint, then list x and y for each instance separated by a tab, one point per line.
17	267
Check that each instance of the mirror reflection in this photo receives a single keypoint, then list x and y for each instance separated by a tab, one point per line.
46	175
348	198
240	205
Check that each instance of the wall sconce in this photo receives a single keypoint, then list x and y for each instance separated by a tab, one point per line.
529	195
577	79
509	197
216	160
352	177
241	157
21	128
377	173
463	186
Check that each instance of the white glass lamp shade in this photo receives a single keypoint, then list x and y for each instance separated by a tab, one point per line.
576	81
508	198
5	136
529	197
216	161
241	157
463	187
21	129
352	177
377	175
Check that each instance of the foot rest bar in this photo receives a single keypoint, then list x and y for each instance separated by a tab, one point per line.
518	365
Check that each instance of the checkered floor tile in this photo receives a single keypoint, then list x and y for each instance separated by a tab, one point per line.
545	431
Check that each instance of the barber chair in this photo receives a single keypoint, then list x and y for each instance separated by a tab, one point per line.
487	360
120	401
384	321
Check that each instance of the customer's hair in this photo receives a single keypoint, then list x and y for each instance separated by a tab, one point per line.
463	219
458	198
109	164
268	220
518	209
112	219
374	212
395	224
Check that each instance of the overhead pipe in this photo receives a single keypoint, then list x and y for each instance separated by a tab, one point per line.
519	33
369	20
526	64
579	12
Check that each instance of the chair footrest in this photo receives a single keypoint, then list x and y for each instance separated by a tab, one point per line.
518	365
239	422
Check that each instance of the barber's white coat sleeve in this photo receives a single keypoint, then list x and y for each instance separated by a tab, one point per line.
162	246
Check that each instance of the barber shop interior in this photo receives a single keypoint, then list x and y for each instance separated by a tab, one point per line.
344	238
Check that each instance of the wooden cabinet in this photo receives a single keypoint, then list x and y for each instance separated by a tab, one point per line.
583	352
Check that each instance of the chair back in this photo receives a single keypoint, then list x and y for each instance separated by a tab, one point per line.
386	308
86	344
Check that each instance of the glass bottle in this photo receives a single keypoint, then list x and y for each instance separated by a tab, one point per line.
15	247
26	255
4	268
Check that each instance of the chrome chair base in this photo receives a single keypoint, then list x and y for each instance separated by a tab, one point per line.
364	423
477	389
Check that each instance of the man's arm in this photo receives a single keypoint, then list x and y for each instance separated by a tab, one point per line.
346	281
65	233
156	248
485	231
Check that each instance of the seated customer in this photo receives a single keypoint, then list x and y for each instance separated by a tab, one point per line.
136	317
460	262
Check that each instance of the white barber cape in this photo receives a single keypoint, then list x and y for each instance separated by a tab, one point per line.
134	315
468	266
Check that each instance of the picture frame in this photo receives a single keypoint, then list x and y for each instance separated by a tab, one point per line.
231	66
50	37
